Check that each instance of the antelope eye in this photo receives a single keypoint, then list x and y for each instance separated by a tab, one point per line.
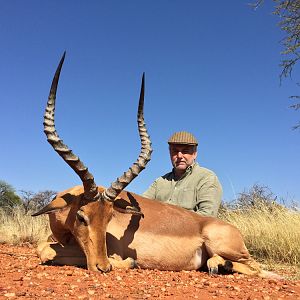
81	218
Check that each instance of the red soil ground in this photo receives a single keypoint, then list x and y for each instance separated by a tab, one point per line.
22	277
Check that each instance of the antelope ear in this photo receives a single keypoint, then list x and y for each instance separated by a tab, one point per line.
54	205
125	207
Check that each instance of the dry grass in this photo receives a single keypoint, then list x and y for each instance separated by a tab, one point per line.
271	233
17	227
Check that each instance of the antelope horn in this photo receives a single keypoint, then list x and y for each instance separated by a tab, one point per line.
90	188
145	155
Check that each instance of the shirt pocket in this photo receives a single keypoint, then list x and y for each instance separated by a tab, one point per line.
186	198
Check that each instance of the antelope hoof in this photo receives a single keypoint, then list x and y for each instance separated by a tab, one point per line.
47	255
213	264
117	262
130	262
213	270
134	264
228	266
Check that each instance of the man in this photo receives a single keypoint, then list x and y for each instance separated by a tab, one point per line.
188	185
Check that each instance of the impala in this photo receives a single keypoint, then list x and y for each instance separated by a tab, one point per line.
105	228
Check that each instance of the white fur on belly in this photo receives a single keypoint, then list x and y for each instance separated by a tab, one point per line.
198	259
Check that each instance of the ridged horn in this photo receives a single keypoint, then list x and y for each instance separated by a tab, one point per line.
90	188
144	157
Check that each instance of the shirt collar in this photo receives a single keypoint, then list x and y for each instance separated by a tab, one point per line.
187	171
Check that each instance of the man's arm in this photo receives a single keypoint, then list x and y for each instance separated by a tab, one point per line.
209	197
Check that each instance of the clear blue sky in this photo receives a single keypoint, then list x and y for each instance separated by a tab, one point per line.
212	68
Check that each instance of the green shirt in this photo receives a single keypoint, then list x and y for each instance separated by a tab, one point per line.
198	189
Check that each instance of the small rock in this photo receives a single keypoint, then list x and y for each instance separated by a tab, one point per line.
237	289
10	295
69	272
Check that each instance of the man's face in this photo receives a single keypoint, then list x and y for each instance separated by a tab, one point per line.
182	156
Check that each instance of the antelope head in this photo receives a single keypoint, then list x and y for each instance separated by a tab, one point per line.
86	210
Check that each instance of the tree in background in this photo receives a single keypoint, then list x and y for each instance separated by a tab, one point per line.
289	13
258	196
29	201
8	197
35	201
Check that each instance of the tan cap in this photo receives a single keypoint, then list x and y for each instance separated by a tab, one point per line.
183	137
